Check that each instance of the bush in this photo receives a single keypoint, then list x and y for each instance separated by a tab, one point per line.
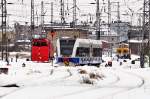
87	80
133	62
82	71
96	76
93	76
124	60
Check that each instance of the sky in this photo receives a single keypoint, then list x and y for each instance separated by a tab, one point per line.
20	10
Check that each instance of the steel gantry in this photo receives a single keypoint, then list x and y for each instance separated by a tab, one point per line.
4	43
145	31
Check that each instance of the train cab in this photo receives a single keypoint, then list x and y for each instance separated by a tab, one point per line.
41	49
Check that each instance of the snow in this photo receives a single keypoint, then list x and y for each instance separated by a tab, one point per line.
44	81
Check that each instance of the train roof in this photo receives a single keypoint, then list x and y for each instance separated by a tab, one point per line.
84	42
40	39
18	41
88	42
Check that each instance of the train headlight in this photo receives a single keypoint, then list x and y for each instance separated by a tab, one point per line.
125	50
119	50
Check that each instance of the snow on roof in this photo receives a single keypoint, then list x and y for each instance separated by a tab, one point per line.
23	41
137	41
89	42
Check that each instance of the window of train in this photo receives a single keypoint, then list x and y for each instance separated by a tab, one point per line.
97	52
43	44
39	44
66	47
36	44
66	51
83	52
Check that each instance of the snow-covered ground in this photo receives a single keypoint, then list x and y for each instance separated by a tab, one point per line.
44	81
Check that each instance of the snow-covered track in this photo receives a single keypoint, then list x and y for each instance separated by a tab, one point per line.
121	89
125	88
38	79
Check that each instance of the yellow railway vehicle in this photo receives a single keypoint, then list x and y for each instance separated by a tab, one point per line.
123	51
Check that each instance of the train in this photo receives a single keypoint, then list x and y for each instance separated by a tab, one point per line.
123	51
77	51
41	50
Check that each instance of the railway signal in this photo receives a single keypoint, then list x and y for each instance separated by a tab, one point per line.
52	33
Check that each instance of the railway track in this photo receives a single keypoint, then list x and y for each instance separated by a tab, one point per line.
95	88
110	85
36	80
126	89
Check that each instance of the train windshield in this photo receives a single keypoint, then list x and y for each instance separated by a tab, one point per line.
66	47
39	44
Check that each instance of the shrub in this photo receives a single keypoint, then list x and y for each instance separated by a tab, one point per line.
93	76
87	80
96	76
82	71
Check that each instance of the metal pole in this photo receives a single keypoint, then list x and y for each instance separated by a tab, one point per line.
2	45
74	13
118	20
98	20
149	33
32	18
4	36
51	13
51	31
143	32
109	24
42	16
62	12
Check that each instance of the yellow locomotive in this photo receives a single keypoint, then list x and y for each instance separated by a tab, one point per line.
123	51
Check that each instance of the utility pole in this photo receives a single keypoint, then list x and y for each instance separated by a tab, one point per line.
37	17
146	19
109	24
109	16
42	17
52	13
118	21
4	44
149	33
32	18
74	13
62	12
97	20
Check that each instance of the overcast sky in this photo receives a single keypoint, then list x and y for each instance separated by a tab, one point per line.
20	11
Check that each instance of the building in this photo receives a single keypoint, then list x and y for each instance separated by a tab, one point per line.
65	32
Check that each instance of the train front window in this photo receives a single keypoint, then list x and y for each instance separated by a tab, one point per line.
39	44
36	44
83	52
97	52
67	42
66	51
43	44
66	47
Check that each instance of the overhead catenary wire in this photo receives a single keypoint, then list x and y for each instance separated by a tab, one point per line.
57	5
